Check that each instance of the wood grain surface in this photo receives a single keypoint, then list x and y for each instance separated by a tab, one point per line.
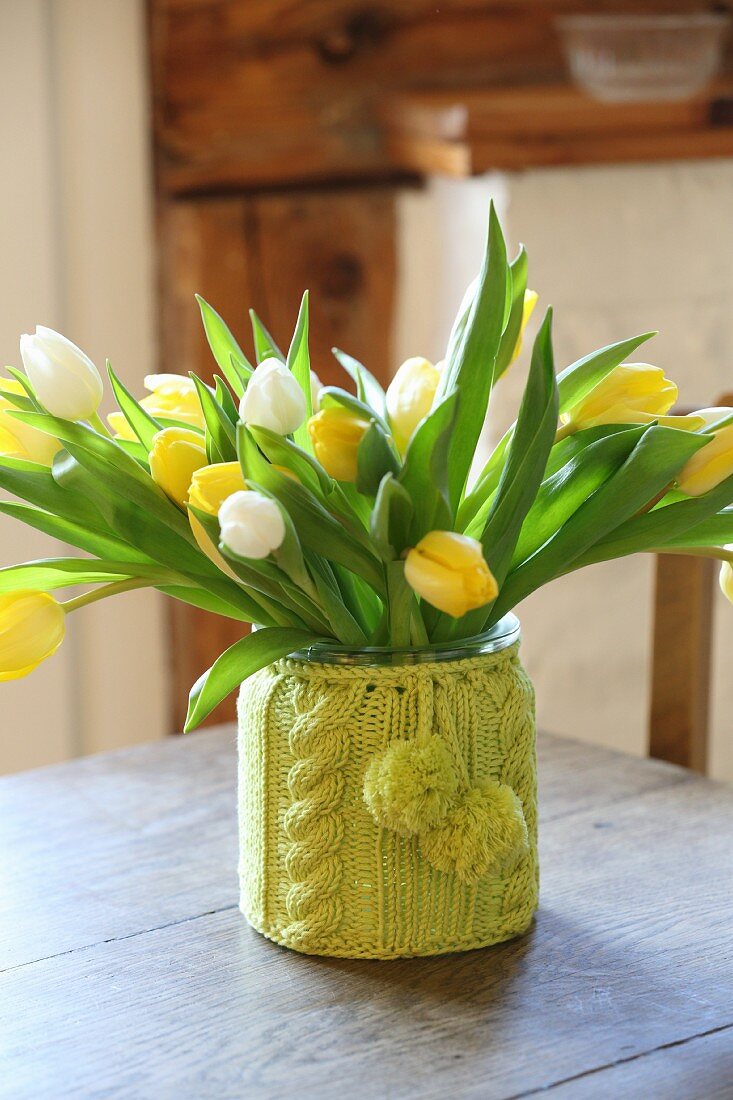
129	972
256	93
467	131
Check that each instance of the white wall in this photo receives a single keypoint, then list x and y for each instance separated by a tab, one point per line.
616	251
77	243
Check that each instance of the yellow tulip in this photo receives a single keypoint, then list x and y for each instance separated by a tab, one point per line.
210	487
726	580
32	627
172	397
176	456
713	463
450	572
336	434
410	397
19	440
632	394
286	472
530	301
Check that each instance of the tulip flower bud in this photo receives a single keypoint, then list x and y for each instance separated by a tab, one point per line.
251	524
450	572
713	463
20	440
410	397
336	434
176	456
726	580
530	301
171	397
32	627
210	487
273	399
636	393
65	380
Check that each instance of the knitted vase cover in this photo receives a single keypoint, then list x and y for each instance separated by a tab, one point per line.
388	811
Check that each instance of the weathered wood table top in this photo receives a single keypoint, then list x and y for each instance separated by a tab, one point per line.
129	972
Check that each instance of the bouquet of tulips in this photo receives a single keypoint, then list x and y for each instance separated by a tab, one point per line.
319	513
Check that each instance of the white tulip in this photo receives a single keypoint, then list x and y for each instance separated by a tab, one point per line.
66	381
251	524
273	399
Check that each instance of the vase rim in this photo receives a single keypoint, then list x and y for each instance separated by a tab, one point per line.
498	637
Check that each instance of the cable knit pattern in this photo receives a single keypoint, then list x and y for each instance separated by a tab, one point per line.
442	854
314	823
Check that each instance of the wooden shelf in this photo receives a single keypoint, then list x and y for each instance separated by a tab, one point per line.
467	132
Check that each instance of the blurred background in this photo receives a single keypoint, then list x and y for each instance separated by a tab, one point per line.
247	149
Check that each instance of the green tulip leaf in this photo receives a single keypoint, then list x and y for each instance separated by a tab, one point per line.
237	663
375	457
664	526
470	369
81	535
36	485
335	604
715	531
658	455
281	451
513	328
230	358
207	601
221	445
224	396
391	518
265	346
424	474
48	574
298	361
526	458
26	401
565	490
368	389
142	423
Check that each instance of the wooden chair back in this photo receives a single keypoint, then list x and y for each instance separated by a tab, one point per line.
681	657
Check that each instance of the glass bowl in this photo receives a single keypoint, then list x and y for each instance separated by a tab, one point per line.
622	58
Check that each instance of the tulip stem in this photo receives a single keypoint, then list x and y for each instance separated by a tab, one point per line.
564	430
418	633
656	499
98	424
106	590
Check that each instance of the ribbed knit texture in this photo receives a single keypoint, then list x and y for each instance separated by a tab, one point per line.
321	872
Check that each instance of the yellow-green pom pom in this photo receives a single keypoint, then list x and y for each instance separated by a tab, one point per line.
411	785
485	832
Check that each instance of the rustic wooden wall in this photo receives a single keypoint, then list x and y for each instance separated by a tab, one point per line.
261	92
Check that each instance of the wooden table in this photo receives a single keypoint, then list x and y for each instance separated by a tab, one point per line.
129	972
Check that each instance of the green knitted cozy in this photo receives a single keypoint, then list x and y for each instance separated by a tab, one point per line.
388	811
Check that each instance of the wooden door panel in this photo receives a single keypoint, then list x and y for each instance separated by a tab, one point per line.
263	250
